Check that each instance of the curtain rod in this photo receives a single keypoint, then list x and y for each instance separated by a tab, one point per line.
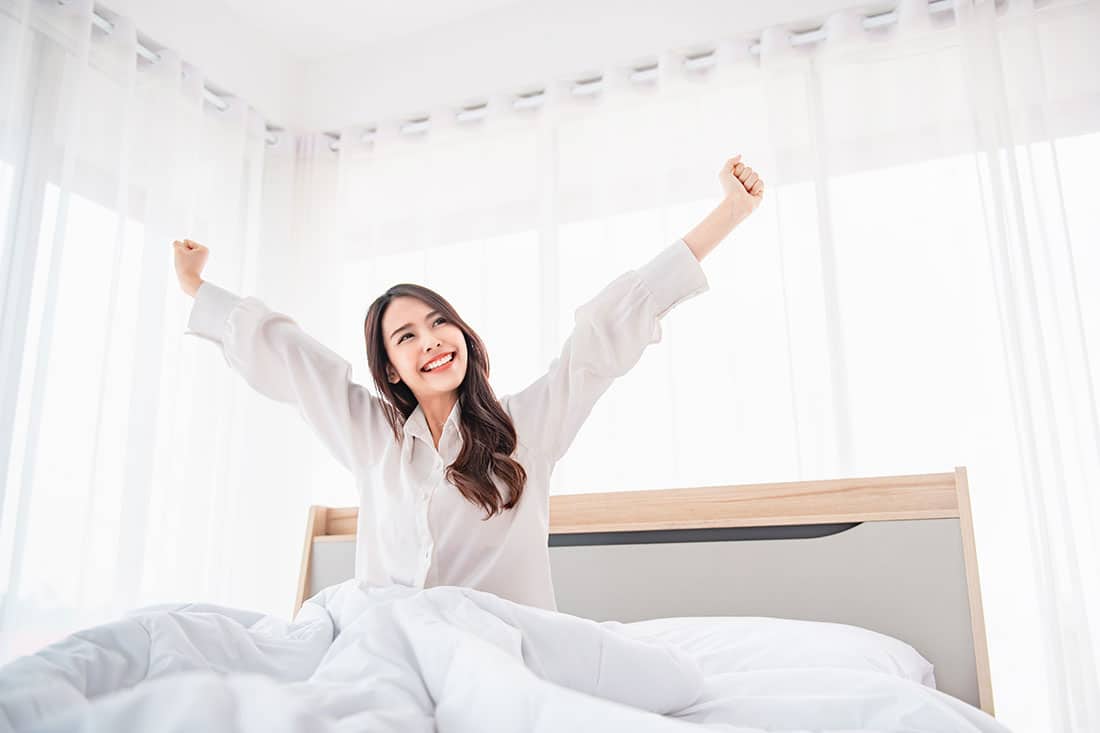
647	73
869	21
104	24
533	99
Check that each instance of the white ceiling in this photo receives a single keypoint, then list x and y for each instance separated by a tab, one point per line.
325	28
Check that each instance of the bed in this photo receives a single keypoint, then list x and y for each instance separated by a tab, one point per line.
893	554
841	605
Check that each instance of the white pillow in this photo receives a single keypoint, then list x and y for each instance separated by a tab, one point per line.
748	643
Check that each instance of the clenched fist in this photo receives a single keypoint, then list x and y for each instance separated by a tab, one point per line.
741	184
744	190
190	259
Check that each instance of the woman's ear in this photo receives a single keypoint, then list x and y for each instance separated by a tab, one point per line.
392	375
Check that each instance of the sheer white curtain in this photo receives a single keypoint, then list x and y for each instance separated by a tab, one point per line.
121	447
917	291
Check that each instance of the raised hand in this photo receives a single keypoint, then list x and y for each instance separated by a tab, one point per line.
744	190
742	185
190	259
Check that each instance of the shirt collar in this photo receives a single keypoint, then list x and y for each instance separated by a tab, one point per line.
417	425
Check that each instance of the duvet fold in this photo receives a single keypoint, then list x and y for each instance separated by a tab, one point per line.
356	657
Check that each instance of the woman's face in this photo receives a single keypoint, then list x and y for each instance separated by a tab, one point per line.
417	337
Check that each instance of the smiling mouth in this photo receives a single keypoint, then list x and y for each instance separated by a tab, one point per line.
450	358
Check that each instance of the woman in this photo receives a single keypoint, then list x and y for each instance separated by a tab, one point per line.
453	483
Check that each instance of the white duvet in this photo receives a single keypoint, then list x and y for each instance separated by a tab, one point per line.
365	658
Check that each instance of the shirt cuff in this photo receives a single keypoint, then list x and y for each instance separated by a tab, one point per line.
673	276
210	311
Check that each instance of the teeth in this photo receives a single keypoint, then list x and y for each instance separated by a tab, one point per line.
438	362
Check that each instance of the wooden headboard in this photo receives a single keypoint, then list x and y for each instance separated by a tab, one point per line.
891	553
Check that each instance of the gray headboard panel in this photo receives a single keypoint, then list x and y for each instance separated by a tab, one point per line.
902	578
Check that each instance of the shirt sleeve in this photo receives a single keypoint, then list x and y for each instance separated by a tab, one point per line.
281	361
609	335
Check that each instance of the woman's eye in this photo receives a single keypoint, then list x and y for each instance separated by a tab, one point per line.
437	321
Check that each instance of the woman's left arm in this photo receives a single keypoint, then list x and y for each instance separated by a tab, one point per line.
744	191
613	329
609	335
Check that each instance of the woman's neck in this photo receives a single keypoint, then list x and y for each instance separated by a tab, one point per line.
437	409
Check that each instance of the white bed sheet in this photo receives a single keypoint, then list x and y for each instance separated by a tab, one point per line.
363	658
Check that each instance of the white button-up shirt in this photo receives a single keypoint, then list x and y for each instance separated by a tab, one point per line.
415	528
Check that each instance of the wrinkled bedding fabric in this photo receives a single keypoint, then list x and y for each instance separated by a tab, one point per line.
368	658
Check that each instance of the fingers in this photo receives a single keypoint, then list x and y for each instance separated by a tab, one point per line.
749	178
745	174
187	245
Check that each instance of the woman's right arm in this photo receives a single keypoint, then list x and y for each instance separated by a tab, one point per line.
281	361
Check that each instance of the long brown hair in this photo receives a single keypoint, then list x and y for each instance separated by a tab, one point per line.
488	434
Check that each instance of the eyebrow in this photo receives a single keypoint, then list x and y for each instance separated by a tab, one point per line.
433	313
